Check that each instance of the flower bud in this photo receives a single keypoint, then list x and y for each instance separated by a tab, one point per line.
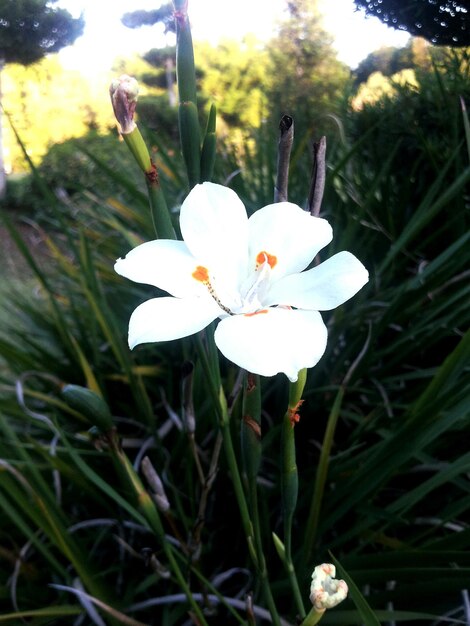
124	91
153	479
89	404
325	591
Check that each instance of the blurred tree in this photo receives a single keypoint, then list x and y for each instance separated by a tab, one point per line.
445	23
160	58
305	78
29	30
44	91
162	15
387	60
234	76
164	76
390	60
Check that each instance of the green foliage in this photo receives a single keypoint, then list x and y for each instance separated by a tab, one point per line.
31	29
234	77
304	77
427	129
19	194
66	167
381	450
162	15
417	54
444	23
157	114
45	91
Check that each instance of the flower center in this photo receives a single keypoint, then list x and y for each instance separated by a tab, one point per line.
249	299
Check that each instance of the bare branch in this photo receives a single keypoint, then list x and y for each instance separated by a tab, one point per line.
286	126
317	183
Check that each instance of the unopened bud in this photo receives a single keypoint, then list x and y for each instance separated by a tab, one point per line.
325	591
155	484
124	91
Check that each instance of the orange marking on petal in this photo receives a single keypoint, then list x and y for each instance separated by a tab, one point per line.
265	257
201	274
255	313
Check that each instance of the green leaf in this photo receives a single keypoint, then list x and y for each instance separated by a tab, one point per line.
368	616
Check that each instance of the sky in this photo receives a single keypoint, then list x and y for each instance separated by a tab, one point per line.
105	38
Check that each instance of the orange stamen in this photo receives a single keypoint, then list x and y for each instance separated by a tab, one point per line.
255	313
201	274
265	257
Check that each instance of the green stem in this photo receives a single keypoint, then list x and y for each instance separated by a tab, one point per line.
220	405
158	207
313	617
251	457
190	132
209	147
235	473
185	68
150	512
322	471
290	481
251	430
260	560
138	148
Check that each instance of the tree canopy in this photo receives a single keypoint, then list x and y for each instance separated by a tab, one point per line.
304	76
162	15
70	103
443	22
29	29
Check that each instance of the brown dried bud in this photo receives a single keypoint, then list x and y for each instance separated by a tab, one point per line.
153	479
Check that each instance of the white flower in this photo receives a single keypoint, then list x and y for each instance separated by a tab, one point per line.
247	272
325	591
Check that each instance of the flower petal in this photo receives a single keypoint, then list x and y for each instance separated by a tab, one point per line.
165	264
164	319
214	226
273	340
322	288
289	234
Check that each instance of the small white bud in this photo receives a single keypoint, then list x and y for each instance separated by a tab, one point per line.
325	591
124	92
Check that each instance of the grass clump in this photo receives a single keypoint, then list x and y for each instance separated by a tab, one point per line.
381	450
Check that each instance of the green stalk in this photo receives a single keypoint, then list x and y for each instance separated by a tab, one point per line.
261	561
138	148
251	458
313	617
190	141
209	146
290	481
219	403
151	514
190	133
185	68
251	430
158	207
322	471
